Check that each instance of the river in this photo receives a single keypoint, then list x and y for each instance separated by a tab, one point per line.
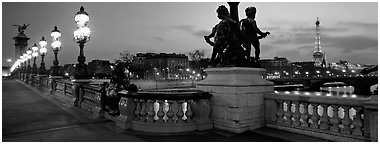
330	91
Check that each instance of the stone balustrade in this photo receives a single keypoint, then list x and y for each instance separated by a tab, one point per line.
64	87
169	111
165	111
332	118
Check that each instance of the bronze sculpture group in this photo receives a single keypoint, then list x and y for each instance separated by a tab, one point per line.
21	28
232	40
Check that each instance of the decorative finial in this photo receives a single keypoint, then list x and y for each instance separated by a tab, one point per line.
317	22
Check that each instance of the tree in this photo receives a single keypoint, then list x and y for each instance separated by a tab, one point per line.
125	57
196	58
197	55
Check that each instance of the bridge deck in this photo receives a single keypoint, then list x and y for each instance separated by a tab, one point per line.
32	115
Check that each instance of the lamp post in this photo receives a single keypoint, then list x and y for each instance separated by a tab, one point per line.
56	46
43	51
81	36
34	55
21	74
29	56
28	68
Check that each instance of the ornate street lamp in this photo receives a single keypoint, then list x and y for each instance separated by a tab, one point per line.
56	46
34	55
29	56
43	51
81	36
21	67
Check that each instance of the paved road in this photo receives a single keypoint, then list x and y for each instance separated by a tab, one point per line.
33	115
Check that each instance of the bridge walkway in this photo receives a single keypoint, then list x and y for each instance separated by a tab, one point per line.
31	115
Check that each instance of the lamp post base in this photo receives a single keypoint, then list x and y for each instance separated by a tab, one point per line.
81	71
78	90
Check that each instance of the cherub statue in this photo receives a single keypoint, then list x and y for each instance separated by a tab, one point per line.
248	33
226	44
21	28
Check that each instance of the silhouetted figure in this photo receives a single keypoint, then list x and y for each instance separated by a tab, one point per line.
118	82
248	33
21	28
226	44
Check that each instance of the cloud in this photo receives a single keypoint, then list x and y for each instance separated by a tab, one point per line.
366	25
192	30
365	57
158	38
351	43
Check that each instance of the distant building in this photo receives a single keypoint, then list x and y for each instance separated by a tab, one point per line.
68	70
160	66
277	67
100	68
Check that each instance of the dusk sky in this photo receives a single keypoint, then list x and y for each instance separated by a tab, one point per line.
349	31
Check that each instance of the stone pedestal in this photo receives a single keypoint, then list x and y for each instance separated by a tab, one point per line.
39	79
53	83
78	91
237	103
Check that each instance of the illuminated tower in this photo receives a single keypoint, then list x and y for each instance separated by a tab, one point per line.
318	56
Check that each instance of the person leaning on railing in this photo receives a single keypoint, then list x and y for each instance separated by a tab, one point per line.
110	91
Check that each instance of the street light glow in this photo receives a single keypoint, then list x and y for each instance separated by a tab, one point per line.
35	54
55	35
28	52
56	44
35	48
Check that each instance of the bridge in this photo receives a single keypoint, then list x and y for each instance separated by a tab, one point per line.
361	84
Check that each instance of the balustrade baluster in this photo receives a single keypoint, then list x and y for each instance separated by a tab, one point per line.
189	112
315	117
160	113
346	120
288	113
305	115
143	112
64	88
296	114
280	112
324	118
358	124
150	111
170	113
335	119
137	110
180	112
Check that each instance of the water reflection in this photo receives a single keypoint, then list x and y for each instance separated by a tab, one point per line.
336	91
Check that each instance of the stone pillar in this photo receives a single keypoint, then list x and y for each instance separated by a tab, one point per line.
237	104
78	91
371	119
53	83
39	78
21	42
